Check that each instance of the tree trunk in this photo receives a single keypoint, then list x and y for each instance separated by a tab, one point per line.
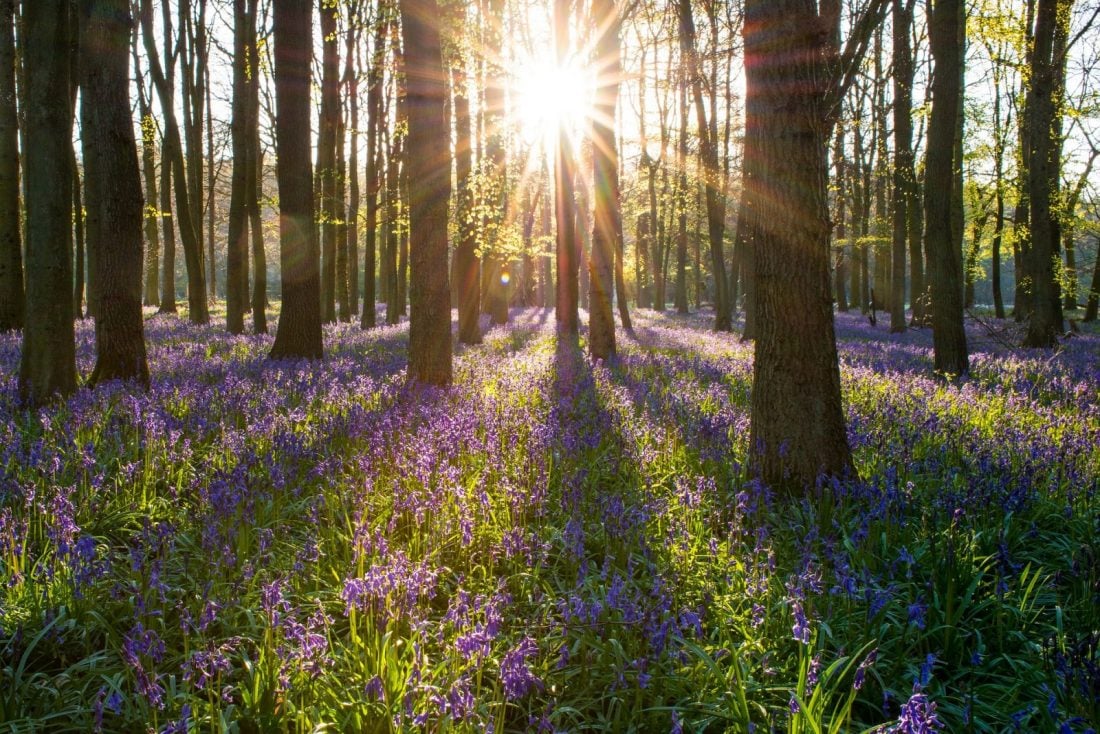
11	246
903	156
716	206
948	333
430	177
1043	171
173	156
567	300
351	78
48	361
236	257
797	428
373	173
605	179
680	296
299	331
152	214
326	158
113	182
840	233
467	268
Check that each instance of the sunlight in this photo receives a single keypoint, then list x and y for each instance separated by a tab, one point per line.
551	97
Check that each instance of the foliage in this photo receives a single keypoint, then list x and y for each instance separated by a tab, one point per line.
549	545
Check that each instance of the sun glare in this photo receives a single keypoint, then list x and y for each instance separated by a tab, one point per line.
552	97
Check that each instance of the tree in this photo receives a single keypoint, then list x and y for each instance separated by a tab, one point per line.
944	253
467	269
429	174
236	261
373	169
794	80
113	191
567	301
605	173
326	156
904	176
708	154
299	332
11	245
174	157
1044	163
48	360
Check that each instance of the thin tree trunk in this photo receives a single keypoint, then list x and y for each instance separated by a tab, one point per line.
236	257
467	268
716	207
373	172
326	158
903	156
173	155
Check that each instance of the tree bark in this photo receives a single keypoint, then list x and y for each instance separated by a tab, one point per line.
299	332
113	184
48	361
236	258
326	157
430	177
948	332
797	430
373	172
903	156
12	292
605	175
567	300
467	268
1046	313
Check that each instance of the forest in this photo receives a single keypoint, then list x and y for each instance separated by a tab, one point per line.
549	366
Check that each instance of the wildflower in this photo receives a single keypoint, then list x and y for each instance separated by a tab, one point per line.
918	716
515	675
801	626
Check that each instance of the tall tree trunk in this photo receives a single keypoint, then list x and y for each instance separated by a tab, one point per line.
168	261
567	300
299	331
605	180
351	79
903	156
797	430
11	245
948	333
496	262
467	268
339	198
149	168
1042	177
680	297
373	172
173	156
113	183
326	157
716	206
48	361
430	178
236	257
840	267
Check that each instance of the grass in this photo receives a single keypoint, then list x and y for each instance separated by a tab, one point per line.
550	545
